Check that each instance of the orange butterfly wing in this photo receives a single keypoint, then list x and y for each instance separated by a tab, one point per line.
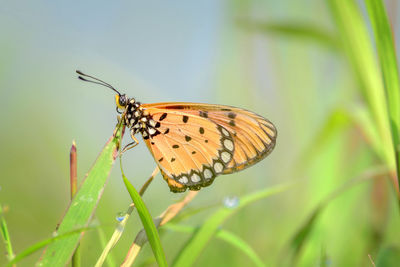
200	141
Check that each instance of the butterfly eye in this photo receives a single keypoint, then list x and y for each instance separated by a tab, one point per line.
123	100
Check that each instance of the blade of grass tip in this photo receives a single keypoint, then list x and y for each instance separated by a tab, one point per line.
192	249
73	179
166	216
5	235
360	52
121	225
84	204
148	224
223	235
388	60
38	246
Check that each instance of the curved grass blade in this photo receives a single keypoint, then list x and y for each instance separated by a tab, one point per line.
83	204
36	247
148	224
360	52
196	244
121	225
5	235
226	236
293	29
167	215
388	60
300	238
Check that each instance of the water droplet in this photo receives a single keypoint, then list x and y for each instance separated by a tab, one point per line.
120	216
231	202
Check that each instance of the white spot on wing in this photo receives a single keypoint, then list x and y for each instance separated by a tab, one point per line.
207	174
183	180
195	178
224	132
228	144
218	167
226	157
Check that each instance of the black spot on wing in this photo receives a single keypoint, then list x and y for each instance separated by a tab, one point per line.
231	115
185	119
188	138
201	130
203	114
163	116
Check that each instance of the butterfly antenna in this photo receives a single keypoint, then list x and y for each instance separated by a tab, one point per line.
96	81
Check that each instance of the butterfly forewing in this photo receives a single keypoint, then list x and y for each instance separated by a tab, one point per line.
199	141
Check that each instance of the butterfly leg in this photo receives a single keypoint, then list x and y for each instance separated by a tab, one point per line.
130	145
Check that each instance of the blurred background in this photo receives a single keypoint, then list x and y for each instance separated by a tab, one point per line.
281	59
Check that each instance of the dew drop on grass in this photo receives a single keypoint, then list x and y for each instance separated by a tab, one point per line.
120	216
231	202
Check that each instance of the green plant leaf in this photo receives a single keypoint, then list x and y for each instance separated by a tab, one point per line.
293	29
148	224
83	205
360	52
388	60
224	235
196	244
303	233
32	249
5	235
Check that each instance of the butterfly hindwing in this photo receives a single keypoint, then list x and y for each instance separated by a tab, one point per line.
190	150
199	141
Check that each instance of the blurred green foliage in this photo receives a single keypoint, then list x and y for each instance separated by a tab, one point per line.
324	72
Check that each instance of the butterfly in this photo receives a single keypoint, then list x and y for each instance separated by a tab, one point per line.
192	143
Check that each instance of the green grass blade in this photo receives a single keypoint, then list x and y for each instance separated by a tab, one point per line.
293	29
5	235
360	52
83	205
224	235
36	247
148	224
301	236
388	60
239	243
196	244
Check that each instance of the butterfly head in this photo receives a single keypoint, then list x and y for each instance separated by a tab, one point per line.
122	101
